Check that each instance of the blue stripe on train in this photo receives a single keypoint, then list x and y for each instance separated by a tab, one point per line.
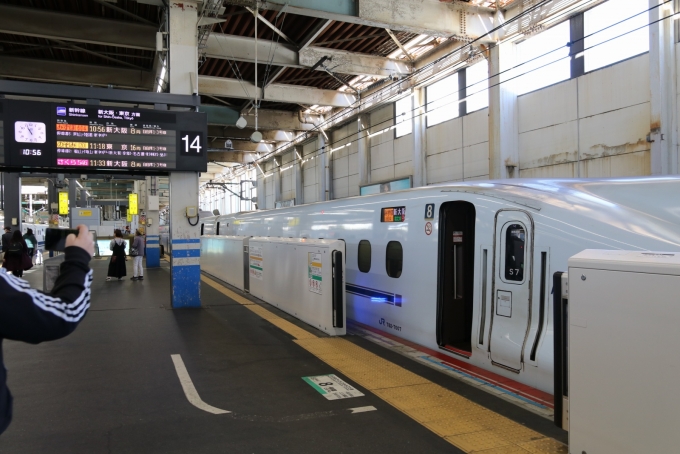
376	296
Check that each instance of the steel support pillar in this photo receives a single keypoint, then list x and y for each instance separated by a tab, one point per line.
363	147
503	126
297	167
664	96
185	241
322	168
12	194
419	139
153	251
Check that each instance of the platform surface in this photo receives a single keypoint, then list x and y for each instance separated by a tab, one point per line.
112	386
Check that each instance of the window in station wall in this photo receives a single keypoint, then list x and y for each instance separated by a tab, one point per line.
442	100
403	114
542	70
477	86
632	15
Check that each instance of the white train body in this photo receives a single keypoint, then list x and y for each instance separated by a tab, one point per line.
478	286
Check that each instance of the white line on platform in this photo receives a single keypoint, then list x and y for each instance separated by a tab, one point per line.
190	389
362	409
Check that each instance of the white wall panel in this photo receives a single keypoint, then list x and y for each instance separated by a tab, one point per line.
353	185
403	169
444	137
403	149
548	146
621	85
550	106
476	127
382	155
476	161
340	166
627	165
617	132
551	171
444	167
385	173
341	187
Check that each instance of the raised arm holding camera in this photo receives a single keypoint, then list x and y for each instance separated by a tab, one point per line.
32	316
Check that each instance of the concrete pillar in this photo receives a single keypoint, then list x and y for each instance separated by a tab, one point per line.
185	269
261	189
82	201
12	194
322	167
153	252
277	180
419	139
72	202
503	129
299	175
664	100
363	146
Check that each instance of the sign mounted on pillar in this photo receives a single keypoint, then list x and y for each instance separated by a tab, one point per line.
63	203
102	139
132	204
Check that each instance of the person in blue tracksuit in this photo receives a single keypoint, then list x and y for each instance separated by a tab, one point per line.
32	316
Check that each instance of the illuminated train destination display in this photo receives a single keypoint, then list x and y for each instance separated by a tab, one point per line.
97	138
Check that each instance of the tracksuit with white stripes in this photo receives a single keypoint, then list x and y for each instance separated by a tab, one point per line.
31	316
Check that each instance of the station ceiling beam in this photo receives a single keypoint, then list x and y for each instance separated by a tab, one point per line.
74	73
432	18
238	157
233	133
294	94
79	28
241	48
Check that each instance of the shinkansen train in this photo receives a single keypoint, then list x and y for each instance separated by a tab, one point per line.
466	268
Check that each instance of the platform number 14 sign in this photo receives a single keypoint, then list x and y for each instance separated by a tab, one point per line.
191	144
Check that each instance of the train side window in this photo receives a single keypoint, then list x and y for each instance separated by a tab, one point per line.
364	257
394	259
217	232
515	238
202	226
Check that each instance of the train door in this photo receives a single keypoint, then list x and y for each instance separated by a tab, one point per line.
246	265
511	314
456	276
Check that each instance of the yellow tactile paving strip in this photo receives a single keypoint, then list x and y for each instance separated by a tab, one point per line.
463	423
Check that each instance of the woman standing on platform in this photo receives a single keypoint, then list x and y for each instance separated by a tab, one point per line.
31	243
137	253
117	263
14	256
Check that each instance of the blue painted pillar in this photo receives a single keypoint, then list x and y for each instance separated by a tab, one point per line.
153	251
185	241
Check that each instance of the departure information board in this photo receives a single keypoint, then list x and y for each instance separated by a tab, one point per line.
91	138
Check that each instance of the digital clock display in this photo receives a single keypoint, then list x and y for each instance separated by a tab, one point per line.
97	138
393	214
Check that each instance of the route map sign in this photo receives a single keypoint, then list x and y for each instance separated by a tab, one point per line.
93	138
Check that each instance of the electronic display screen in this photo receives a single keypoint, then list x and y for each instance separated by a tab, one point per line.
393	214
95	138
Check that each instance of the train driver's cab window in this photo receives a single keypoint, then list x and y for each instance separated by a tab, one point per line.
394	258
364	257
515	240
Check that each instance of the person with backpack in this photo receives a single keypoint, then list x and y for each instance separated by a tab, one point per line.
31	243
14	256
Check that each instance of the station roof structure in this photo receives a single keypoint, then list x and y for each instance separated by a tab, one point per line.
314	57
